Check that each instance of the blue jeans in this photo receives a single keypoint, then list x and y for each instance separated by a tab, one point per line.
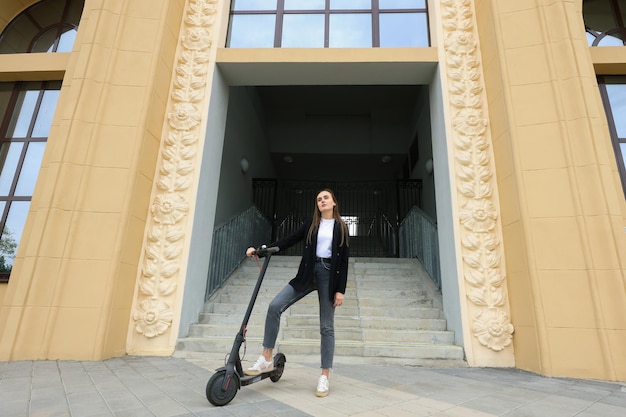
288	296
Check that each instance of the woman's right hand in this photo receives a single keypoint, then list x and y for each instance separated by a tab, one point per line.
250	252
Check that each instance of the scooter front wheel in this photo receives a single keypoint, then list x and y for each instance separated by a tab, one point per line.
279	367
214	392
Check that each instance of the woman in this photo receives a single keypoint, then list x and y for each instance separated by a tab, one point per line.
324	267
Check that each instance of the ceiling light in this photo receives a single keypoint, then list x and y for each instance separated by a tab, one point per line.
245	165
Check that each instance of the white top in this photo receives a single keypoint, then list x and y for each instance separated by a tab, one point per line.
325	238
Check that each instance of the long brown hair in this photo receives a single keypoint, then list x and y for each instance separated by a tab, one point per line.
317	218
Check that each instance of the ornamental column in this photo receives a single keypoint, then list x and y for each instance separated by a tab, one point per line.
157	304
488	331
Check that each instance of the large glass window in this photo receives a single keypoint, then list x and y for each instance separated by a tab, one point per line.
23	136
26	112
46	26
613	90
604	22
328	24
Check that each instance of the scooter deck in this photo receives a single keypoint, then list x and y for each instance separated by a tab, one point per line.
274	375
251	379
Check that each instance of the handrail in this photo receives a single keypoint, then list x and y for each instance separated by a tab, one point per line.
419	239
388	235
288	202
288	225
230	242
382	232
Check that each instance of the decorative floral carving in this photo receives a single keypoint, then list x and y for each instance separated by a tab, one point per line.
184	117
470	122
461	40
196	39
170	206
482	251
493	329
478	215
152	317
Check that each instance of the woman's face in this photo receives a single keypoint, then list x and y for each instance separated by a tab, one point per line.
325	203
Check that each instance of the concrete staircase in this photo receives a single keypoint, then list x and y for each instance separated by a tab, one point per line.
391	314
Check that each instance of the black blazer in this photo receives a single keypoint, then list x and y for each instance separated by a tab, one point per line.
338	263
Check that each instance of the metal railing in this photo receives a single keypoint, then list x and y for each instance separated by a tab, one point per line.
418	239
230	242
372	209
287	226
373	236
382	231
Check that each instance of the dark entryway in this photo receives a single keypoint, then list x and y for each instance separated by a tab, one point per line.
371	144
372	210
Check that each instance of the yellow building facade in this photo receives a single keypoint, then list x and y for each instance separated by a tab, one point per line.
533	236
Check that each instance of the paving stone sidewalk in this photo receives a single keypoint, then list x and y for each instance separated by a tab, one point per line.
134	386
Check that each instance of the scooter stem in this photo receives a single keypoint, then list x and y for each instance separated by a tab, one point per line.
234	364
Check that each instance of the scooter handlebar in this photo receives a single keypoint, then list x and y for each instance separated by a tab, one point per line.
264	250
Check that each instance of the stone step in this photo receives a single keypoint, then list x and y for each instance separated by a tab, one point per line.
263	299
268	285
313	332
383	269
408	352
394	323
391	314
223	330
426	311
376	349
297	320
409	336
355	334
382	283
298	308
371	312
399	304
287	332
380	262
251	354
258	319
266	292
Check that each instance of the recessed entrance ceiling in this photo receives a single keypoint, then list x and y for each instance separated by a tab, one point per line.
340	132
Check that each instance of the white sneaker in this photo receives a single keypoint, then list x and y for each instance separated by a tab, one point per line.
260	367
322	386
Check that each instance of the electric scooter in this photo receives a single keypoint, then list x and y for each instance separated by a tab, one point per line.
226	381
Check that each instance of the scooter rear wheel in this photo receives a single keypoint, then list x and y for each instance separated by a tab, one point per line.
214	392
279	367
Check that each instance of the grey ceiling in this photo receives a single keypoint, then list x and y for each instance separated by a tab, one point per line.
339	132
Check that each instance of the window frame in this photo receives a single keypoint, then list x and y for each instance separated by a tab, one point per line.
620	29
62	26
280	12
69	13
616	141
9	198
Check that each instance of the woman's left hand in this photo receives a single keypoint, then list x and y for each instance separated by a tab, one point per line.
338	299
